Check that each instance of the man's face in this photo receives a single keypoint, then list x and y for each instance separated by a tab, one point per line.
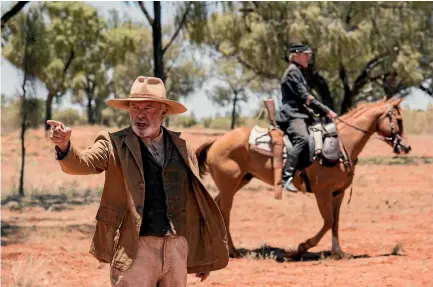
302	59
146	118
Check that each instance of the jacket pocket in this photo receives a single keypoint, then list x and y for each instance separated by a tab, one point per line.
107	232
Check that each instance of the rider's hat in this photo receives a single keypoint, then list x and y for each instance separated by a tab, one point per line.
297	48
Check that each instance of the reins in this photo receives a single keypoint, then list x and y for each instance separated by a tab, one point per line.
393	138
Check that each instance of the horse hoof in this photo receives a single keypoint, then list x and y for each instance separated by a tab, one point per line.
301	249
341	255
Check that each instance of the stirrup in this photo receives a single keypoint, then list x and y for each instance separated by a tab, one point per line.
288	185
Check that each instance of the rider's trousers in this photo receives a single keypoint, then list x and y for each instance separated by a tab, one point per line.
297	130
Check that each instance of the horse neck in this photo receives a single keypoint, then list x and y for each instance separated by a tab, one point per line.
366	119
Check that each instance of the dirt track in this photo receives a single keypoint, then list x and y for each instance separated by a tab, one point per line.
392	207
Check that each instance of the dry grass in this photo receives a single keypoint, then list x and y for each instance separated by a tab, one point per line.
397	249
418	122
391	203
30	271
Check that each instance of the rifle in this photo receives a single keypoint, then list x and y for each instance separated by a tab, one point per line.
270	106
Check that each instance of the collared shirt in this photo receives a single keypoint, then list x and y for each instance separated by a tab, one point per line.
156	147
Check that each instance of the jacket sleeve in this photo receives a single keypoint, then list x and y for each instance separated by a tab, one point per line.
319	108
92	160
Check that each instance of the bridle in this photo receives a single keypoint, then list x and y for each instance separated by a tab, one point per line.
395	139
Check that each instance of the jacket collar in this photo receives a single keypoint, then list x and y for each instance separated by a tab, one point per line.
128	137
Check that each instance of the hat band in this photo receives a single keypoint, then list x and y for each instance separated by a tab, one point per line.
146	96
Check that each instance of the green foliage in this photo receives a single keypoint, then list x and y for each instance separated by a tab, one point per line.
114	118
35	109
12	112
10	115
379	45
221	123
25	31
184	121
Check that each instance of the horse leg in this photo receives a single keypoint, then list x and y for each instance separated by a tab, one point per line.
324	201
336	204
227	188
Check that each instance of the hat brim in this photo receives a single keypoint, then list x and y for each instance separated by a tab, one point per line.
173	107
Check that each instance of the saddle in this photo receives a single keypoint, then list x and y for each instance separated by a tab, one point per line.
324	146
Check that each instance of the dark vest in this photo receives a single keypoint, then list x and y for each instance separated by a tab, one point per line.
165	192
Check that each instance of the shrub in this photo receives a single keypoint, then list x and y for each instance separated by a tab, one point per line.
12	111
69	117
185	121
114	118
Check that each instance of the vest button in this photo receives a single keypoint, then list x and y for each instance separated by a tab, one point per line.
141	186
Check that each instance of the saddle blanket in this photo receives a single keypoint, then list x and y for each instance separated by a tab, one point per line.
261	141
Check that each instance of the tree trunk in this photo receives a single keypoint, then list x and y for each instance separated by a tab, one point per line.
48	110
348	94
12	12
320	85
235	99
23	132
97	110
90	115
158	68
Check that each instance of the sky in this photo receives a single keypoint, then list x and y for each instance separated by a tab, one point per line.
198	102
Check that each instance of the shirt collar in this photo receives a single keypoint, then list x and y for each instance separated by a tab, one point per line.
156	141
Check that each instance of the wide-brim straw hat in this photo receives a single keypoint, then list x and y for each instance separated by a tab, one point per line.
148	89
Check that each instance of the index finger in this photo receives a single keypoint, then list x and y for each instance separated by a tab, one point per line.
54	123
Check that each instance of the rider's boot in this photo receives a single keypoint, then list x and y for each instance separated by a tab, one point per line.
289	173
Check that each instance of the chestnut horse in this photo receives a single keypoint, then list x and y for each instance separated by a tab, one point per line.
232	164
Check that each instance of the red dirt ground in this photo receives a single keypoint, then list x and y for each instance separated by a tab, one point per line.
392	205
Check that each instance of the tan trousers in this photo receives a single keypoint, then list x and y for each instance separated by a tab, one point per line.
160	261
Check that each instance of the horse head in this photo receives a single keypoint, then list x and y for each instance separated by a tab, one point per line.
390	127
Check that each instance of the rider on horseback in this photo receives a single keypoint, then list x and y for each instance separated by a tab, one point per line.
293	116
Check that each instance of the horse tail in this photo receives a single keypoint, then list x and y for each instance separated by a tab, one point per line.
201	154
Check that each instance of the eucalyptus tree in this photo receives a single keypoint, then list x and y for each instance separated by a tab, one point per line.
362	49
27	49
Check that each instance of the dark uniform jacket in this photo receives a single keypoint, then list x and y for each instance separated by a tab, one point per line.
294	90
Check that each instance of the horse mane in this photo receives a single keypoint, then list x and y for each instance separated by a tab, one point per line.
361	106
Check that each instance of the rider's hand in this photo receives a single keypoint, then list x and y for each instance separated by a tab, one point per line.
60	135
202	275
332	114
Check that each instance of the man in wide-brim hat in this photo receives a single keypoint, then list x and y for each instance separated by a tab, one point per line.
156	221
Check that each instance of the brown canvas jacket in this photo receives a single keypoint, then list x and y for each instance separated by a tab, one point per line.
119	216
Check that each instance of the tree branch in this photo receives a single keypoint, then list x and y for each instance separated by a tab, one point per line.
257	71
143	9
12	12
364	77
65	70
348	93
182	22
